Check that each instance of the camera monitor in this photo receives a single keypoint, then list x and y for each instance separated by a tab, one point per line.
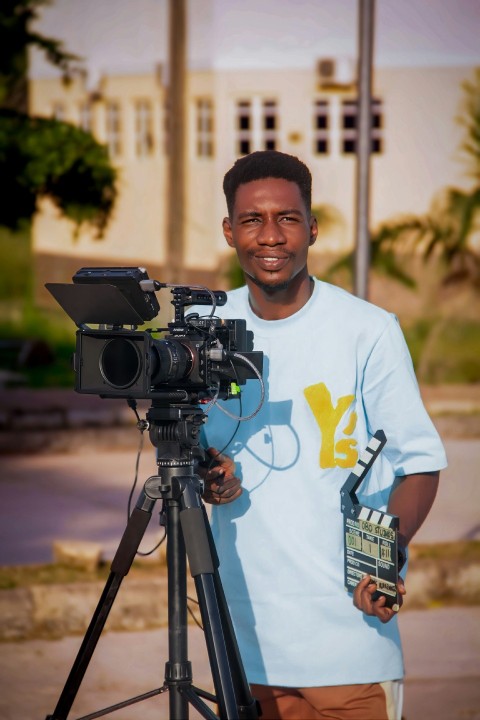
118	298
108	306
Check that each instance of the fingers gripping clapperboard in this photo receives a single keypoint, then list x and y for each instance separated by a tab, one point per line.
370	536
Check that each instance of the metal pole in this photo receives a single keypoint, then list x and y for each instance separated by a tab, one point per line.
175	240
366	9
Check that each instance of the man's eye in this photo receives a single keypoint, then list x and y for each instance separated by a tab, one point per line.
288	218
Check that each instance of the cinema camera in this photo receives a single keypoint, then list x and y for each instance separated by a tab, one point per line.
196	359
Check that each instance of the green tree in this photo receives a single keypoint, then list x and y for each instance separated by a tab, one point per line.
39	158
16	37
44	157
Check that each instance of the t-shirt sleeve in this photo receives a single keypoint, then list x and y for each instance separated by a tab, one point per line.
393	403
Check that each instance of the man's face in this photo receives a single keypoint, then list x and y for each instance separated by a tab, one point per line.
271	231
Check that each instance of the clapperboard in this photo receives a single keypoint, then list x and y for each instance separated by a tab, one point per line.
370	536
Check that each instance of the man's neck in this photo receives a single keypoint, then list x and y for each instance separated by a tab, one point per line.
271	304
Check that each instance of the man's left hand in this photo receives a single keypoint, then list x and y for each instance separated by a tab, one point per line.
363	599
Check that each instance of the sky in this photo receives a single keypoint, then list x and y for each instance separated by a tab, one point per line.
116	36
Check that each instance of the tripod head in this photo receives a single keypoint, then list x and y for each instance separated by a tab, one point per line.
175	431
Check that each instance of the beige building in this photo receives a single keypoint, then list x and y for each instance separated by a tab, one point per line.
310	113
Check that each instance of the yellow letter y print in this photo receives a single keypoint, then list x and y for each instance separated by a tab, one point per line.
341	453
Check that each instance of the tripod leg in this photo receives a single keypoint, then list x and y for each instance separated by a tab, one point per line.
121	564
178	669
233	693
248	705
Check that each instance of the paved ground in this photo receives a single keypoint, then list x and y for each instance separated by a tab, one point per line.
442	658
84	495
442	651
32	675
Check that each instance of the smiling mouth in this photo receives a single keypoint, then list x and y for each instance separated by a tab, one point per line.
271	262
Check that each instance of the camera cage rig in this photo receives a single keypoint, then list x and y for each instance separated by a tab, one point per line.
199	359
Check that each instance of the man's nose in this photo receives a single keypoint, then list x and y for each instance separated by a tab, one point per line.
271	233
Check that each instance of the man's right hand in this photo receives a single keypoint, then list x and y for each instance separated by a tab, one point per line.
221	484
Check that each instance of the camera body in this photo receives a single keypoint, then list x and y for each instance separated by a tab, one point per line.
135	364
194	359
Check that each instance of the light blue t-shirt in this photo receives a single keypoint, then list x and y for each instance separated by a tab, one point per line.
335	372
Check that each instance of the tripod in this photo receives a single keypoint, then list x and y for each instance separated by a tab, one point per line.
174	430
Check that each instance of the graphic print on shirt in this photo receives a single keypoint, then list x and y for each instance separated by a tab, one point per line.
337	449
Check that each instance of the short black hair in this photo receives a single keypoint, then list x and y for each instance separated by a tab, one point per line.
264	164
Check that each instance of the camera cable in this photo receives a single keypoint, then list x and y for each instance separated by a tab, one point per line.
142	425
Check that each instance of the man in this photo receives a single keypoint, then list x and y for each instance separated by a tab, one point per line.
336	369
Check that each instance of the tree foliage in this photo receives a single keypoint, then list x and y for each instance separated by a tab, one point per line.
470	120
447	230
16	37
42	157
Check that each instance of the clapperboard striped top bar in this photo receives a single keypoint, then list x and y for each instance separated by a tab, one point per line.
376	517
369	455
359	472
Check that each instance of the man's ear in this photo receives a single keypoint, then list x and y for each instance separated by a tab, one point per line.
227	231
313	230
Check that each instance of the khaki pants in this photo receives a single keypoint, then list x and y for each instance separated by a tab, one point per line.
376	701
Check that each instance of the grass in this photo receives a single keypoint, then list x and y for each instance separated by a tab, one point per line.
416	336
462	552
52	333
56	574
451	353
15	263
443	351
38	345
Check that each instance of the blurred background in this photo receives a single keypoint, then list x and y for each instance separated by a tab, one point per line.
133	114
118	121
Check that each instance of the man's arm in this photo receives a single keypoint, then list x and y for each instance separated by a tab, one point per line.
411	499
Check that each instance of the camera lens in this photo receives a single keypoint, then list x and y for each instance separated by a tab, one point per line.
120	363
172	361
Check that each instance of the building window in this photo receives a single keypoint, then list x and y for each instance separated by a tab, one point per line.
244	127
350	126
270	124
377	126
113	128
143	128
204	111
58	111
85	116
321	124
257	125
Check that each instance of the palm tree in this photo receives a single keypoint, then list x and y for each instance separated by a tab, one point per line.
448	229
445	232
